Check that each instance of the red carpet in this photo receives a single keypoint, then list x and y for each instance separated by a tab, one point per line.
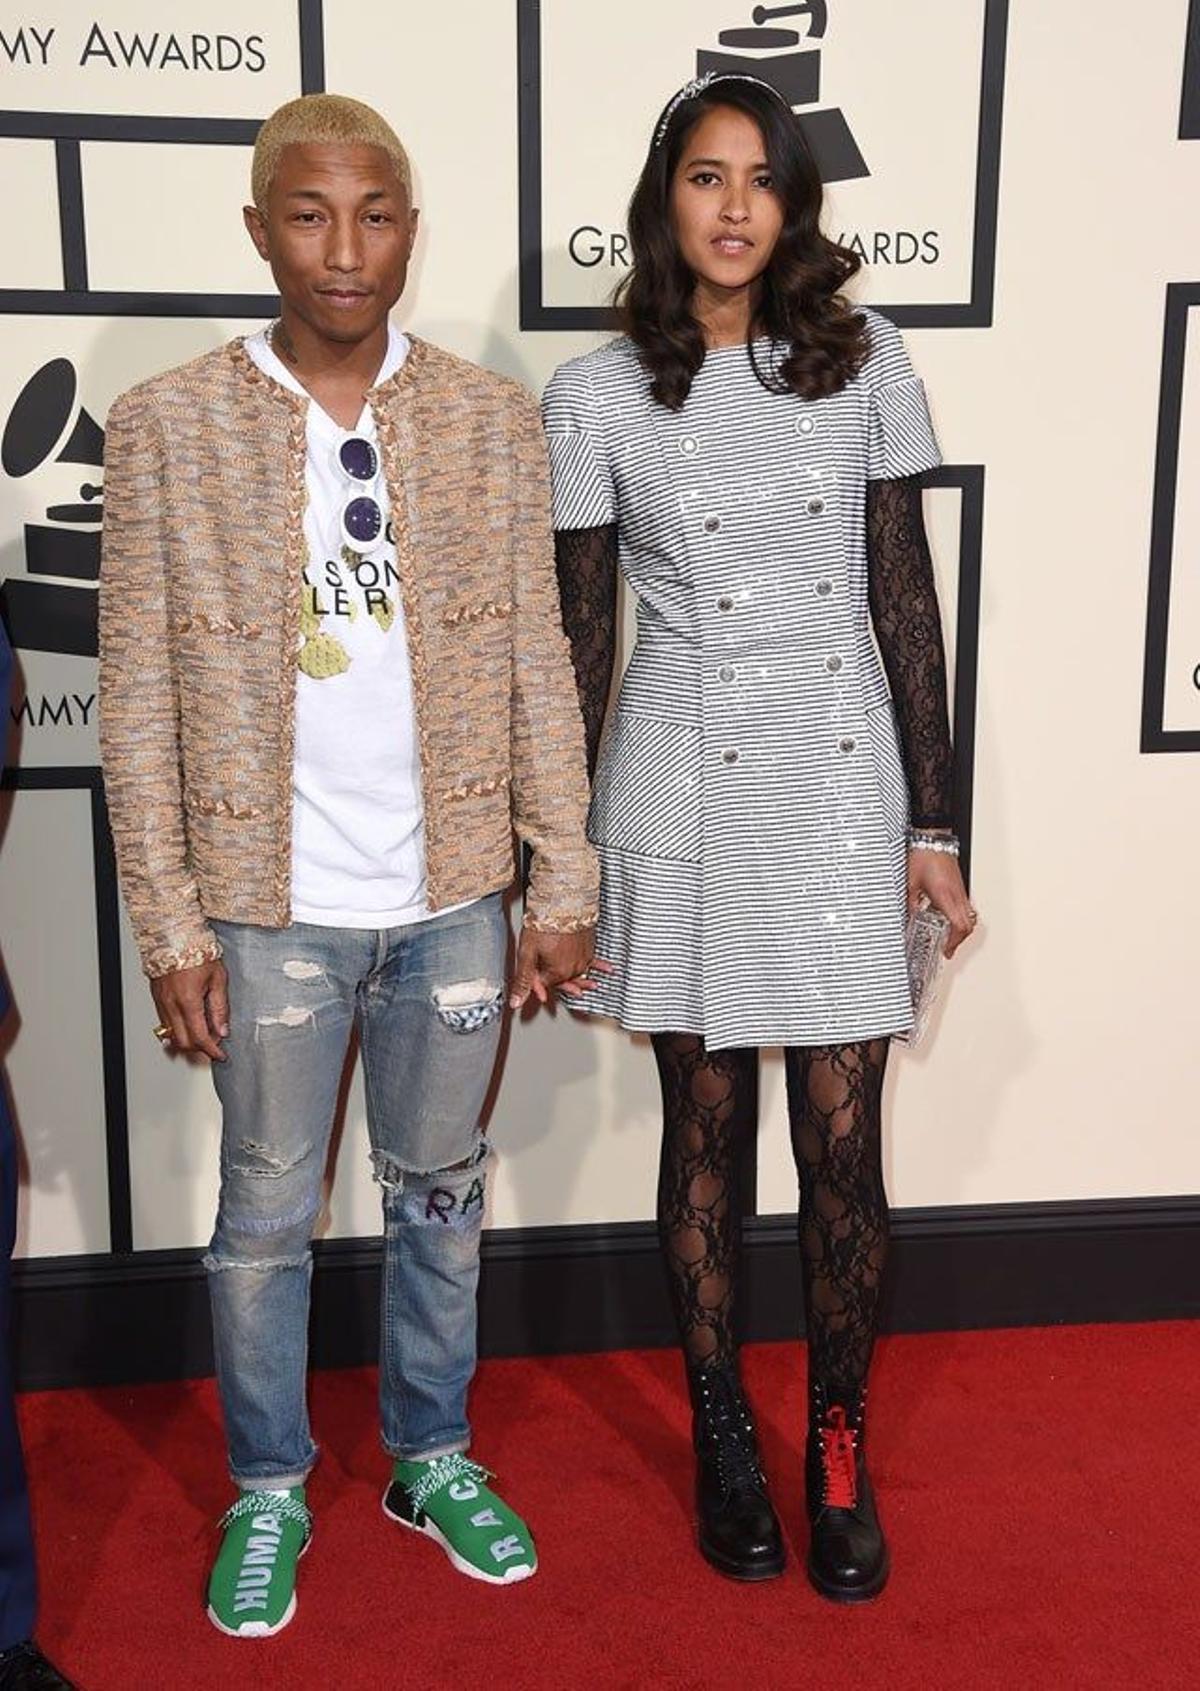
1040	1489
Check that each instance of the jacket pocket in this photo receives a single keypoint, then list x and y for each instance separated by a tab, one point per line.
647	793
889	770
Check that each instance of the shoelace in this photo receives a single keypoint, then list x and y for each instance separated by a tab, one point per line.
736	1453
441	1472
738	1466
837	1460
266	1503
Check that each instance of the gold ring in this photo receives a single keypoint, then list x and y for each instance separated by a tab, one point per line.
162	1033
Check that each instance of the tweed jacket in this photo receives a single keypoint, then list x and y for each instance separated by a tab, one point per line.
200	598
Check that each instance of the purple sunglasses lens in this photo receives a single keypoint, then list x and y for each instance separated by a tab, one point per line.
363	520
358	458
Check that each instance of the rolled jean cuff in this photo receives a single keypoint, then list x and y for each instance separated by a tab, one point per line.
272	1482
458	1448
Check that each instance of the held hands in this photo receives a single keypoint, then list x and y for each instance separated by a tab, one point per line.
194	1005
936	876
547	960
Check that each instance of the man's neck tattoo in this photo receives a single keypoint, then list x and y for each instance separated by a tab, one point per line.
282	342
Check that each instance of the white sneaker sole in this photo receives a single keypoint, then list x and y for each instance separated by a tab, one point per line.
260	1629
510	1576
254	1629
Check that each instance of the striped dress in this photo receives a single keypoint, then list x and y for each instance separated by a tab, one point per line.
750	806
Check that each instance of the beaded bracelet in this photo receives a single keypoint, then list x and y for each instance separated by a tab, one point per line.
920	839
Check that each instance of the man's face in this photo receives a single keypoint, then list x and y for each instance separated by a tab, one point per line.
337	233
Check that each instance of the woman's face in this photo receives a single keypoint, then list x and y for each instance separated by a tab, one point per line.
726	213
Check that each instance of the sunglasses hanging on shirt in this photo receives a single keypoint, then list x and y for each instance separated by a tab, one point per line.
362	515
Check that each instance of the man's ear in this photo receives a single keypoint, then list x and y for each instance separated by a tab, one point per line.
256	228
414	218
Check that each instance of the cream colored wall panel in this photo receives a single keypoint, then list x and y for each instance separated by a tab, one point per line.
576	1124
53	1064
141	58
197	193
33	250
51	503
1063	1057
904	196
174	1126
462	290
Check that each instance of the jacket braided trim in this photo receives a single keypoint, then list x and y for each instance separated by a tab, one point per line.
219	625
479	789
413	620
476	613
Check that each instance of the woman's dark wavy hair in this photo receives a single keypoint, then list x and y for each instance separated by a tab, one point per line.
800	305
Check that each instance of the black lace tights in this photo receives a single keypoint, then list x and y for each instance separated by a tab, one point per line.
710	1100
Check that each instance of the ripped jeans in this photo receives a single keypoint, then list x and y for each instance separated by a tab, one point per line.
427	1000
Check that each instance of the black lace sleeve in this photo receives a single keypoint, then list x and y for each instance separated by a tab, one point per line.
904	610
587	586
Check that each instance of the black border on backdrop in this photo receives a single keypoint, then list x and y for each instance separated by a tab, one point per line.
974	313
1189	100
969	479
1182	299
91	1321
68	129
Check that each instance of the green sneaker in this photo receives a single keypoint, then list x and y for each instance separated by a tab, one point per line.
252	1588
447	1500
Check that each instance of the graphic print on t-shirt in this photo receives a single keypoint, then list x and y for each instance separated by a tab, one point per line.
337	590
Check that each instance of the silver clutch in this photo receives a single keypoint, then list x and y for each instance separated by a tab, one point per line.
925	945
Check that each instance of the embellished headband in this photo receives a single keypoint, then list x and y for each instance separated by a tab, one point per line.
699	85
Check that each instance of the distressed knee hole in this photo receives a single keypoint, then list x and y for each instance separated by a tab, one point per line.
292	1016
388	1172
468	1005
256	1158
214	1264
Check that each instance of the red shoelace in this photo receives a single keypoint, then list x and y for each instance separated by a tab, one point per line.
837	1457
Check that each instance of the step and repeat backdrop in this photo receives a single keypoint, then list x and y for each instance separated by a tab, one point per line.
1020	179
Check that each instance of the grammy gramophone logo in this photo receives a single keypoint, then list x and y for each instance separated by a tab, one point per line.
781	57
52	607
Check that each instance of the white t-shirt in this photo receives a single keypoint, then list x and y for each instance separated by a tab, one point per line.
358	833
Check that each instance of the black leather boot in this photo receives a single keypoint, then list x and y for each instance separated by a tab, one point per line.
738	1529
848	1556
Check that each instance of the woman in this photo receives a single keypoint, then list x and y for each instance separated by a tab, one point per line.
750	450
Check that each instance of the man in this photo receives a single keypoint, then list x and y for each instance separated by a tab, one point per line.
333	681
22	1665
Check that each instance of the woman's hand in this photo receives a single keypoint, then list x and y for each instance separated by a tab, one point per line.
936	876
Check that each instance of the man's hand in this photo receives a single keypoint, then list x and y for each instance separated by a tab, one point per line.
546	960
194	1004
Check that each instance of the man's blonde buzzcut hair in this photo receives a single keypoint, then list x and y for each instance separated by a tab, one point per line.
322	120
